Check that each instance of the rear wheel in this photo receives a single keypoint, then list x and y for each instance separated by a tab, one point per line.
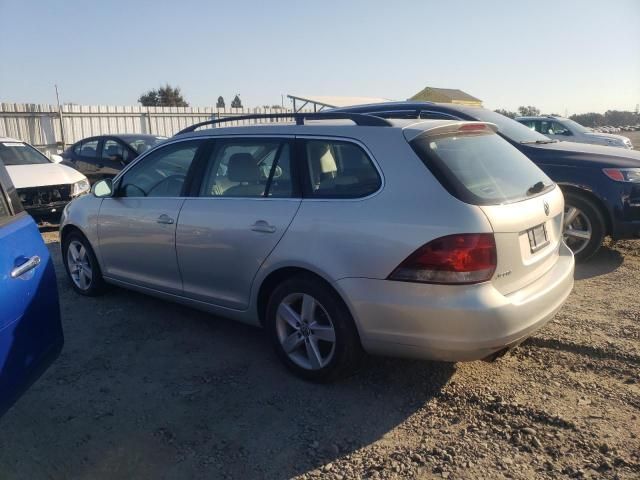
312	330
82	266
584	226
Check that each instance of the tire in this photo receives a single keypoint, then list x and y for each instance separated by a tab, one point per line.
589	217
96	285
330	314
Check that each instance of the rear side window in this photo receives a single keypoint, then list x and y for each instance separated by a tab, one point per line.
481	169
339	170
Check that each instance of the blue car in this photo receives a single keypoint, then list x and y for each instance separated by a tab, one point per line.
601	185
30	328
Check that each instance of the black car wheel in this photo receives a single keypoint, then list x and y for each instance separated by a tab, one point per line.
81	265
584	226
312	330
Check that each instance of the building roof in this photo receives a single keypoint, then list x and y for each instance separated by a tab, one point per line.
337	101
444	95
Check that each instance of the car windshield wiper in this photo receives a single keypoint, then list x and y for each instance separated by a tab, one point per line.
536	188
538	142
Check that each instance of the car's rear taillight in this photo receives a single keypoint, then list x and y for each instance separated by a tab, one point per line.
454	259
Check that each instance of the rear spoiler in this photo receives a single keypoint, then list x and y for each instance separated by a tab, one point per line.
413	131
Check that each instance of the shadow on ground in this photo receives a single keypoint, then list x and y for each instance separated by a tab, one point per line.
149	389
606	260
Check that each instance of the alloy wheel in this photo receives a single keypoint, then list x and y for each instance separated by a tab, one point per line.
79	265
305	331
577	229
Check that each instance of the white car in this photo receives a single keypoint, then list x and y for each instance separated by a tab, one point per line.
559	128
44	186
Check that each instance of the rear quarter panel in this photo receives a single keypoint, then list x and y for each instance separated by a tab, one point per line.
370	237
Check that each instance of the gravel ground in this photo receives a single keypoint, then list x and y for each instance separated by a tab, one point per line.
150	390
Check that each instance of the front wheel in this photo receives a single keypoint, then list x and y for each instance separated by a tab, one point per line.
312	330
82	266
584	226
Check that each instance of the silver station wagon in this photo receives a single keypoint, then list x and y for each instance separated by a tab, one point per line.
339	234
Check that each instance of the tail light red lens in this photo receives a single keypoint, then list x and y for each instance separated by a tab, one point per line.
454	259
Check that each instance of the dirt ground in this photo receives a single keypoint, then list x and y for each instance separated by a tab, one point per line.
146	389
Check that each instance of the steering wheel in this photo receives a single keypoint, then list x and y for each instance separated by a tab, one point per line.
177	178
131	185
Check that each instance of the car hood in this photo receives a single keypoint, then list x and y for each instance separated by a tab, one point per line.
580	154
40	175
606	136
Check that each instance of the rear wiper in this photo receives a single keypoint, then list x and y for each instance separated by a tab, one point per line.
539	142
536	188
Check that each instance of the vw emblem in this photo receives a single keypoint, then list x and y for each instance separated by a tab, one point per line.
546	208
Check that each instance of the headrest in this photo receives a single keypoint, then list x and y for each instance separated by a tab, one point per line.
243	168
322	154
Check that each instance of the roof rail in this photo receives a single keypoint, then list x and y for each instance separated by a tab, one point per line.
357	118
388	111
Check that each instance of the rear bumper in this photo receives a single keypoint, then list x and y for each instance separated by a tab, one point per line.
453	323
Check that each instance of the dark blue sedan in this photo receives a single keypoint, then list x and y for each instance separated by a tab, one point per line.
30	328
601	185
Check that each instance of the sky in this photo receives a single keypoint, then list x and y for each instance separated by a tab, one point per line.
565	56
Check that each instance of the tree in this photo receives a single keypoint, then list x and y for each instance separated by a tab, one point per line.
591	119
220	102
236	103
166	96
528	111
506	113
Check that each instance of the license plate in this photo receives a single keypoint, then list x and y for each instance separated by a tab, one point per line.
538	238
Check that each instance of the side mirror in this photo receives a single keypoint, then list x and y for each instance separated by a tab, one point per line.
103	188
55	158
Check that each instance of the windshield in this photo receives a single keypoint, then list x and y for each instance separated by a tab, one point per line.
576	126
509	128
481	169
18	153
142	144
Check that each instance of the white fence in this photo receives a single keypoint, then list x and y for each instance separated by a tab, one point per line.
42	126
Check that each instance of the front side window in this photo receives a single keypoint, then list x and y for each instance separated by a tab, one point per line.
249	168
112	150
339	169
18	153
559	129
89	149
160	174
143	143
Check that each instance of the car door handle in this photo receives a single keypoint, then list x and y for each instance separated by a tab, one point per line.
165	219
23	268
262	226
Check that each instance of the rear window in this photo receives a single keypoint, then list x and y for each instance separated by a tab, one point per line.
18	153
481	169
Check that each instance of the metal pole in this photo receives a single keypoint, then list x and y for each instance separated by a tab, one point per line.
61	119
149	120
